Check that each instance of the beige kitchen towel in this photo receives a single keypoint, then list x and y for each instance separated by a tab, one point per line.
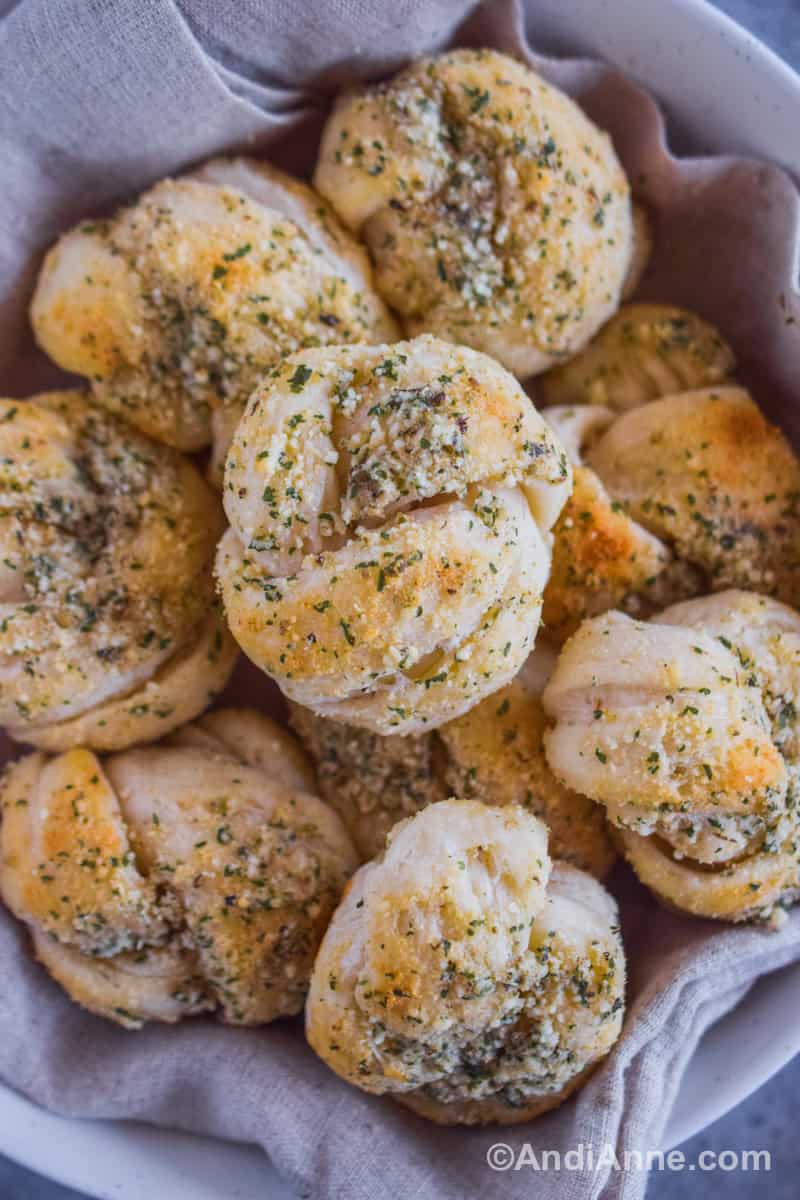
98	99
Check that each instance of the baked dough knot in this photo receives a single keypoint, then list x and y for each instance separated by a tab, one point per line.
645	351
663	508
390	510
174	307
686	729
496	213
190	876
465	975
109	631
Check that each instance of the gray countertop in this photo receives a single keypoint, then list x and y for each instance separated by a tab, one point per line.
767	1120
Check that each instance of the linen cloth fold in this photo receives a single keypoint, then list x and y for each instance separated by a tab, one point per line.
99	99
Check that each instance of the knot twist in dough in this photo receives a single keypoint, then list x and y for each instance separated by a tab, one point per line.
464	975
496	213
390	510
108	629
176	306
686	729
492	753
176	878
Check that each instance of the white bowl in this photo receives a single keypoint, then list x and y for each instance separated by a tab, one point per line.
725	92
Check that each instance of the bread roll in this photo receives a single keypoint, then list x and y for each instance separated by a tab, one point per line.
496	213
390	510
644	352
684	495
685	728
179	878
109	629
176	306
464	975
